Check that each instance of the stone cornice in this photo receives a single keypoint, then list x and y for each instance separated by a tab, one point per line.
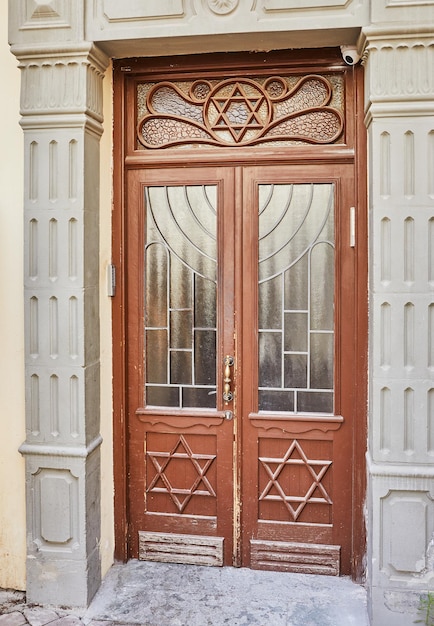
397	109
60	450
394	470
53	120
397	31
51	52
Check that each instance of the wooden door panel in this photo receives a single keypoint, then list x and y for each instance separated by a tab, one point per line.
180	444
297	477
185	493
180	474
295	480
299	502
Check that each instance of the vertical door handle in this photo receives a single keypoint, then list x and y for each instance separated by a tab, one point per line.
228	362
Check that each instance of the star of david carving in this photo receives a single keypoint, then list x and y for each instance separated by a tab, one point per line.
201	463
315	467
238	112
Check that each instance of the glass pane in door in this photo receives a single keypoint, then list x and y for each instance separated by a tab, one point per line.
180	296
296	297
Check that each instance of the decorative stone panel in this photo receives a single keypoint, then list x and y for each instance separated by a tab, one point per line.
404	553
401	545
45	21
267	24
405	11
403	517
56	501
113	11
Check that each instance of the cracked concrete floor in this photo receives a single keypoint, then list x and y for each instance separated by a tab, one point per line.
158	594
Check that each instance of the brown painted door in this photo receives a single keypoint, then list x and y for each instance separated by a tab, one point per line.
240	347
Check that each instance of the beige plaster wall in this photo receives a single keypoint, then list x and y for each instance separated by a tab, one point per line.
12	421
107	519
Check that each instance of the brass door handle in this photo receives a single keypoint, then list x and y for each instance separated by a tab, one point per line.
228	361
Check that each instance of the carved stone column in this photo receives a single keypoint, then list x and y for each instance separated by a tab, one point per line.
61	108
400	119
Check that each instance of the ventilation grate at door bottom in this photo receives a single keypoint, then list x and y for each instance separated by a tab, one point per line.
188	549
302	558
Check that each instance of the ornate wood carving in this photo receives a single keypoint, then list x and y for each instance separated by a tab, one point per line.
187	478
278	482
240	112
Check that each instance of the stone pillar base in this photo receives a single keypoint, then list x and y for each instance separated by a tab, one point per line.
63	562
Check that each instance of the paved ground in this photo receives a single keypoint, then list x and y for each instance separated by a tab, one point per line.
156	594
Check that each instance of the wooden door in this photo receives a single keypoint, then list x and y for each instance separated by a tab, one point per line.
241	311
180	325
299	357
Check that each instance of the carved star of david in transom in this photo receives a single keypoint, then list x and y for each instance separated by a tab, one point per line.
239	111
181	496
316	468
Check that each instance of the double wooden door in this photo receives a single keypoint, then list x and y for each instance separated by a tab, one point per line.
241	362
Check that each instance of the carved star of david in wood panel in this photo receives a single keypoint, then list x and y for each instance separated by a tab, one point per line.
238	111
201	463
316	469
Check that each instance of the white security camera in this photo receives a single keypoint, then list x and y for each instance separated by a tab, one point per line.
350	55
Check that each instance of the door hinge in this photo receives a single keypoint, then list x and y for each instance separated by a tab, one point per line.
352	227
111	280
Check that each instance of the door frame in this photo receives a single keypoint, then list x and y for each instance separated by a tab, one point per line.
352	150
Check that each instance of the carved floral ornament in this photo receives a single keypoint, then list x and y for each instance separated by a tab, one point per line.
240	112
221	7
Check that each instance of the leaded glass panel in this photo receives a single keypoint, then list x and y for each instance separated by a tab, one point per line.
296	298
180	296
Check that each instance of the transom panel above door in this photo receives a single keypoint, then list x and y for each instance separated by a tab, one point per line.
240	292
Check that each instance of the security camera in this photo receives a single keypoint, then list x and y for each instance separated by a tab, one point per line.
350	55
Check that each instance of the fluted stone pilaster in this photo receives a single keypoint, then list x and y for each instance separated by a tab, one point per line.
61	109
400	120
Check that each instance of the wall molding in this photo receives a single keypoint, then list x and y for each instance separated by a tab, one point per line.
69	452
388	470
